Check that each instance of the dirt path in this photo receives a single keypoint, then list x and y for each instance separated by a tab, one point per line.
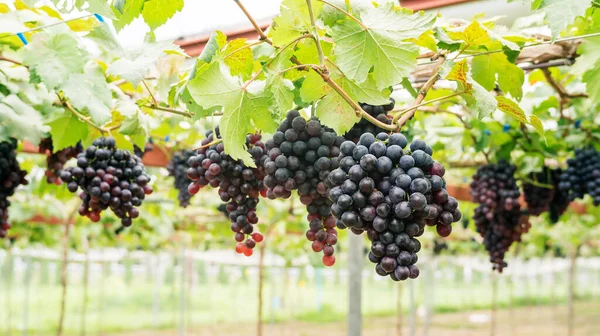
530	321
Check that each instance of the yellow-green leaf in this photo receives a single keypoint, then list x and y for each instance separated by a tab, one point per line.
511	108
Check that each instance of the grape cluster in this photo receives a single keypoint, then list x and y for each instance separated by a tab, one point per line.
301	155
498	218
538	197
11	176
560	202
55	161
391	191
239	185
178	168
109	178
364	126
582	176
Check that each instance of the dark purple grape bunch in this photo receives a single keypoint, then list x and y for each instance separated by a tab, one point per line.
301	155
379	112
178	169
239	186
498	218
55	161
539	193
109	178
392	191
582	176
11	176
560	202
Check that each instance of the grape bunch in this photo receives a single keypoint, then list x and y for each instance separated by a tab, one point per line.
11	176
178	168
538	197
560	202
55	161
582	176
364	126
239	185
301	155
109	178
498	218
392	191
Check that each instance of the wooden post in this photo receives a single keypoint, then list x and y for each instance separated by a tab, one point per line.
182	293
494	303
63	273
261	275
157	285
399	310
86	280
9	278
571	297
413	311
355	267
27	292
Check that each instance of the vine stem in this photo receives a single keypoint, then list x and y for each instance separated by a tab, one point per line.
416	107
345	13
297	67
402	118
2	58
212	143
150	92
313	23
359	111
562	92
170	110
260	32
81	117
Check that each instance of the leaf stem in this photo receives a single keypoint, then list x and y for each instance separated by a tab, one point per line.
359	111
212	143
2	58
313	24
345	13
301	66
403	116
81	116
250	45
170	110
150	92
260	32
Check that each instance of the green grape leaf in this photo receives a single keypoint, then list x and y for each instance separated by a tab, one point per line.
293	21
283	92
103	36
512	109
158	12
364	92
101	7
20	120
407	85
135	64
486	68
89	92
388	56
242	106
67	130
477	97
561	13
335	112
590	78
129	12
240	61
54	58
474	34
210	49
537	125
313	88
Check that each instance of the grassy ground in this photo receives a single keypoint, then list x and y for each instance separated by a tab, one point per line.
133	302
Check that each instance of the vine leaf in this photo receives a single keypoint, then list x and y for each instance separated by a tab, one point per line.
538	126
335	112
560	13
54	57
512	109
379	46
129	12
293	21
20	120
472	35
89	92
101	7
158	12
492	68
241	106
476	96
590	78
242	61
135	64
66	130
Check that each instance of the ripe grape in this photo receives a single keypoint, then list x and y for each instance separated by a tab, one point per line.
55	161
498	218
11	176
582	175
364	126
109	178
178	168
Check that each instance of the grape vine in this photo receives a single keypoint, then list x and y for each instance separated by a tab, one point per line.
11	176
